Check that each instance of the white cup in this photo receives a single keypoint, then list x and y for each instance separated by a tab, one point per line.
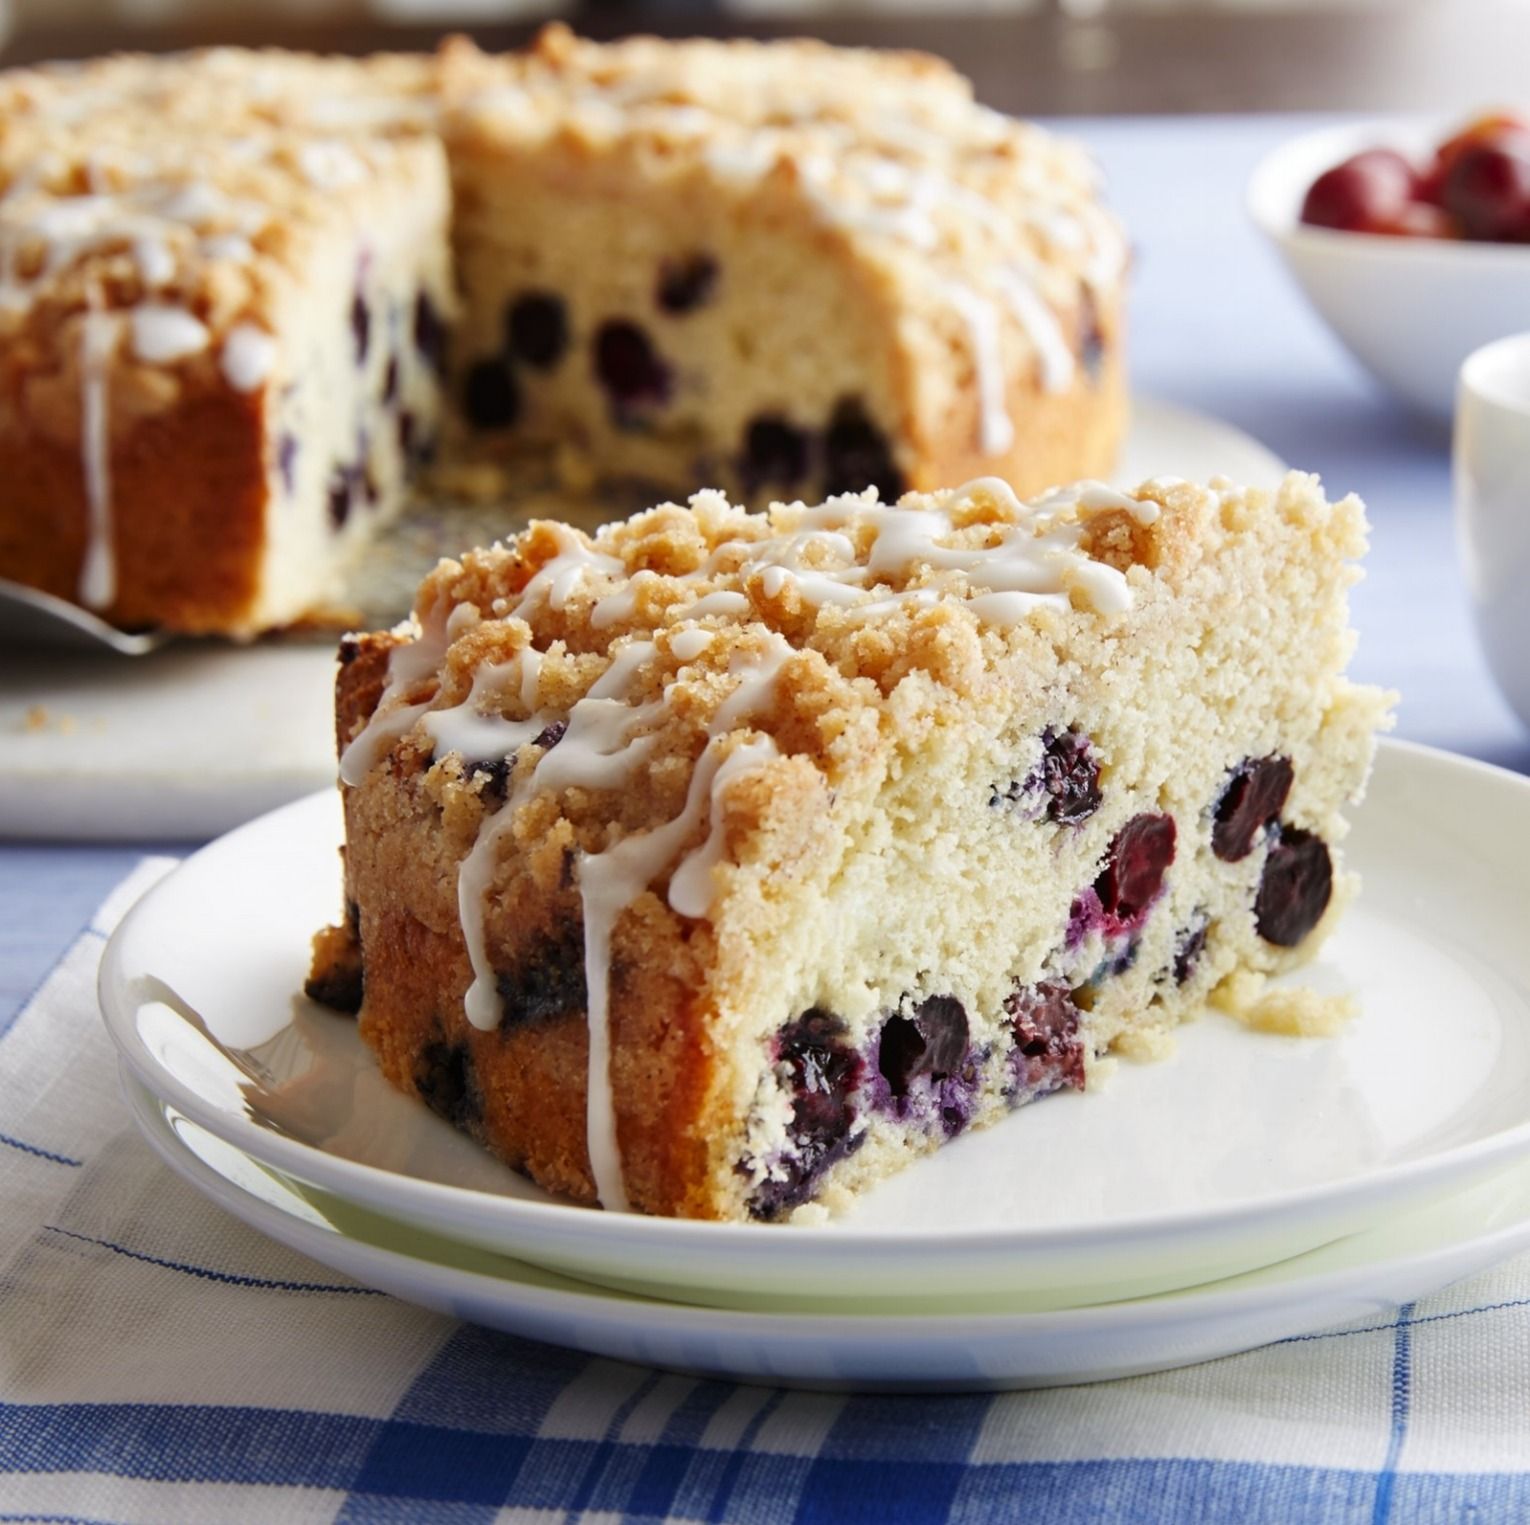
1492	491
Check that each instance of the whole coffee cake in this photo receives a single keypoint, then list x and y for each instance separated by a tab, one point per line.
726	861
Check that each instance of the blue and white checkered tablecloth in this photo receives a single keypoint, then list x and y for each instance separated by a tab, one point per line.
159	1362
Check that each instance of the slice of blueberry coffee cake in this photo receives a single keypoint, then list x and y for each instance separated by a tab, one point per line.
726	861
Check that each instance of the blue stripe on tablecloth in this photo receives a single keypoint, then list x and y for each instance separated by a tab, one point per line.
1402	1385
671	1461
467	1384
167	1442
206	1273
464	1427
434	1465
848	1492
425	1462
41	1153
598	1490
903	1448
735	1460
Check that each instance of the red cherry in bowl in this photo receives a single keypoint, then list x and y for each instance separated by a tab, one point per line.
1494	127
1368	193
1487	188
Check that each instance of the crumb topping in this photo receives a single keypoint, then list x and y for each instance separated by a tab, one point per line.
868	589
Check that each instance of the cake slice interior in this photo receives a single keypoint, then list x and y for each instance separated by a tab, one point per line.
777	270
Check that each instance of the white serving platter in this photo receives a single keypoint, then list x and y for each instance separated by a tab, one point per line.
952	1348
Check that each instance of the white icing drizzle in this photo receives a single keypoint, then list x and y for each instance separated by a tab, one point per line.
408	665
531	675
365	111
247	356
901	213
996	429
162	334
610	881
997	490
724	601
745	161
156	264
192	203
688	644
1094	497
556	579
1033	561
1026	565
480	735
691	891
603	744
621	605
143	218
897	202
1041	325
233	247
815	588
331	166
98	570
597	751
682	121
416	660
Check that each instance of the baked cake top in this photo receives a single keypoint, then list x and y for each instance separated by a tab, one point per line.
191	185
221	91
827	611
186	192
868	589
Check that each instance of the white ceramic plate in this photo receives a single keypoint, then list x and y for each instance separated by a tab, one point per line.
1366	1275
1242	1149
188	741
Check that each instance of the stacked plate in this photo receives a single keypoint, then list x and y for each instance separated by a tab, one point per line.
1249	1189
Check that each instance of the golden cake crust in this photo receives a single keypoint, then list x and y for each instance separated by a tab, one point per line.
189	506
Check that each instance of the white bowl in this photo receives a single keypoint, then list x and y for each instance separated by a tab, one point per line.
1409	309
1492	477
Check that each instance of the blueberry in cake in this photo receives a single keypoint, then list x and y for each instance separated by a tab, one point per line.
231	330
725	862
